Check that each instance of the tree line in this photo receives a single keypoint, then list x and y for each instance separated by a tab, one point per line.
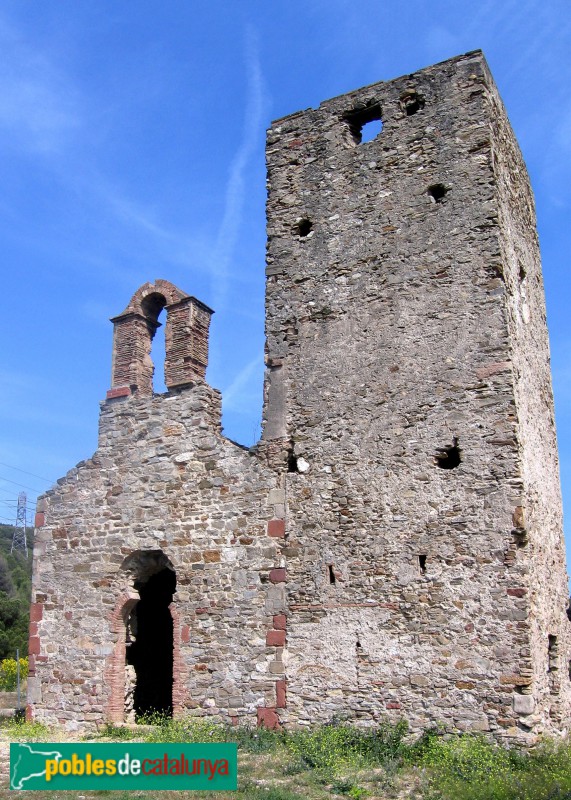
15	592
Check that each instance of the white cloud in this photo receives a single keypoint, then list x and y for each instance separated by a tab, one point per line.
236	187
38	103
233	395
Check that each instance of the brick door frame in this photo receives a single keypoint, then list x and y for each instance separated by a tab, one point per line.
115	669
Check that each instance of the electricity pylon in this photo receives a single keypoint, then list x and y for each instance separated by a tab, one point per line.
19	539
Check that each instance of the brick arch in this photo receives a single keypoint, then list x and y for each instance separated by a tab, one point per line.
166	289
180	695
115	667
186	340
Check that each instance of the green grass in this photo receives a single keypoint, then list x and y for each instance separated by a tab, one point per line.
472	768
18	730
343	761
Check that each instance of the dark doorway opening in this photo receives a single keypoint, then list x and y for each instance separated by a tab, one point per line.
150	646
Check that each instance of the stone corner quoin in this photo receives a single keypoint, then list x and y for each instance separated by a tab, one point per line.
392	547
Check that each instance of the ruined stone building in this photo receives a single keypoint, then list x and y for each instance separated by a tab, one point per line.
393	546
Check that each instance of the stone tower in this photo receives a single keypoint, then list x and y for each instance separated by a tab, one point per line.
408	371
393	546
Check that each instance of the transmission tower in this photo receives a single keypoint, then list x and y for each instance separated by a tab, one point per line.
19	539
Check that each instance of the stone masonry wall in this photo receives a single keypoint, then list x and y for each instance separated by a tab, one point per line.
540	546
390	348
393	546
163	479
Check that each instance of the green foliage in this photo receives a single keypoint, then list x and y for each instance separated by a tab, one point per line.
15	591
6	584
18	730
116	732
14	622
347	788
268	793
9	673
333	750
190	729
255	740
353	762
472	768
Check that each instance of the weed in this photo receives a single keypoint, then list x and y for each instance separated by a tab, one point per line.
20	730
332	750
472	768
116	732
255	740
189	729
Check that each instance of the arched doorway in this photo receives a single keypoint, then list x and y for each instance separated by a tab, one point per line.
149	641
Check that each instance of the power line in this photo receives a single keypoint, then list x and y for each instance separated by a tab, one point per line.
22	485
10	492
26	472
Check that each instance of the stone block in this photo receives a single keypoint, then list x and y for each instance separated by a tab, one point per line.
275	638
267	718
523	704
276	496
34	645
120	391
281	698
276	528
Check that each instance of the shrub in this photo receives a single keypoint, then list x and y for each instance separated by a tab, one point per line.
8	676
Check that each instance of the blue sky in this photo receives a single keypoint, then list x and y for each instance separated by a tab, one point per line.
132	148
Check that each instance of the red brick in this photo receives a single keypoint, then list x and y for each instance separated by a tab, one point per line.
185	634
29	713
275	638
281	700
40	519
267	718
31	666
278	575
280	622
517	592
33	628
68	615
34	645
120	391
276	528
393	705
36	612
